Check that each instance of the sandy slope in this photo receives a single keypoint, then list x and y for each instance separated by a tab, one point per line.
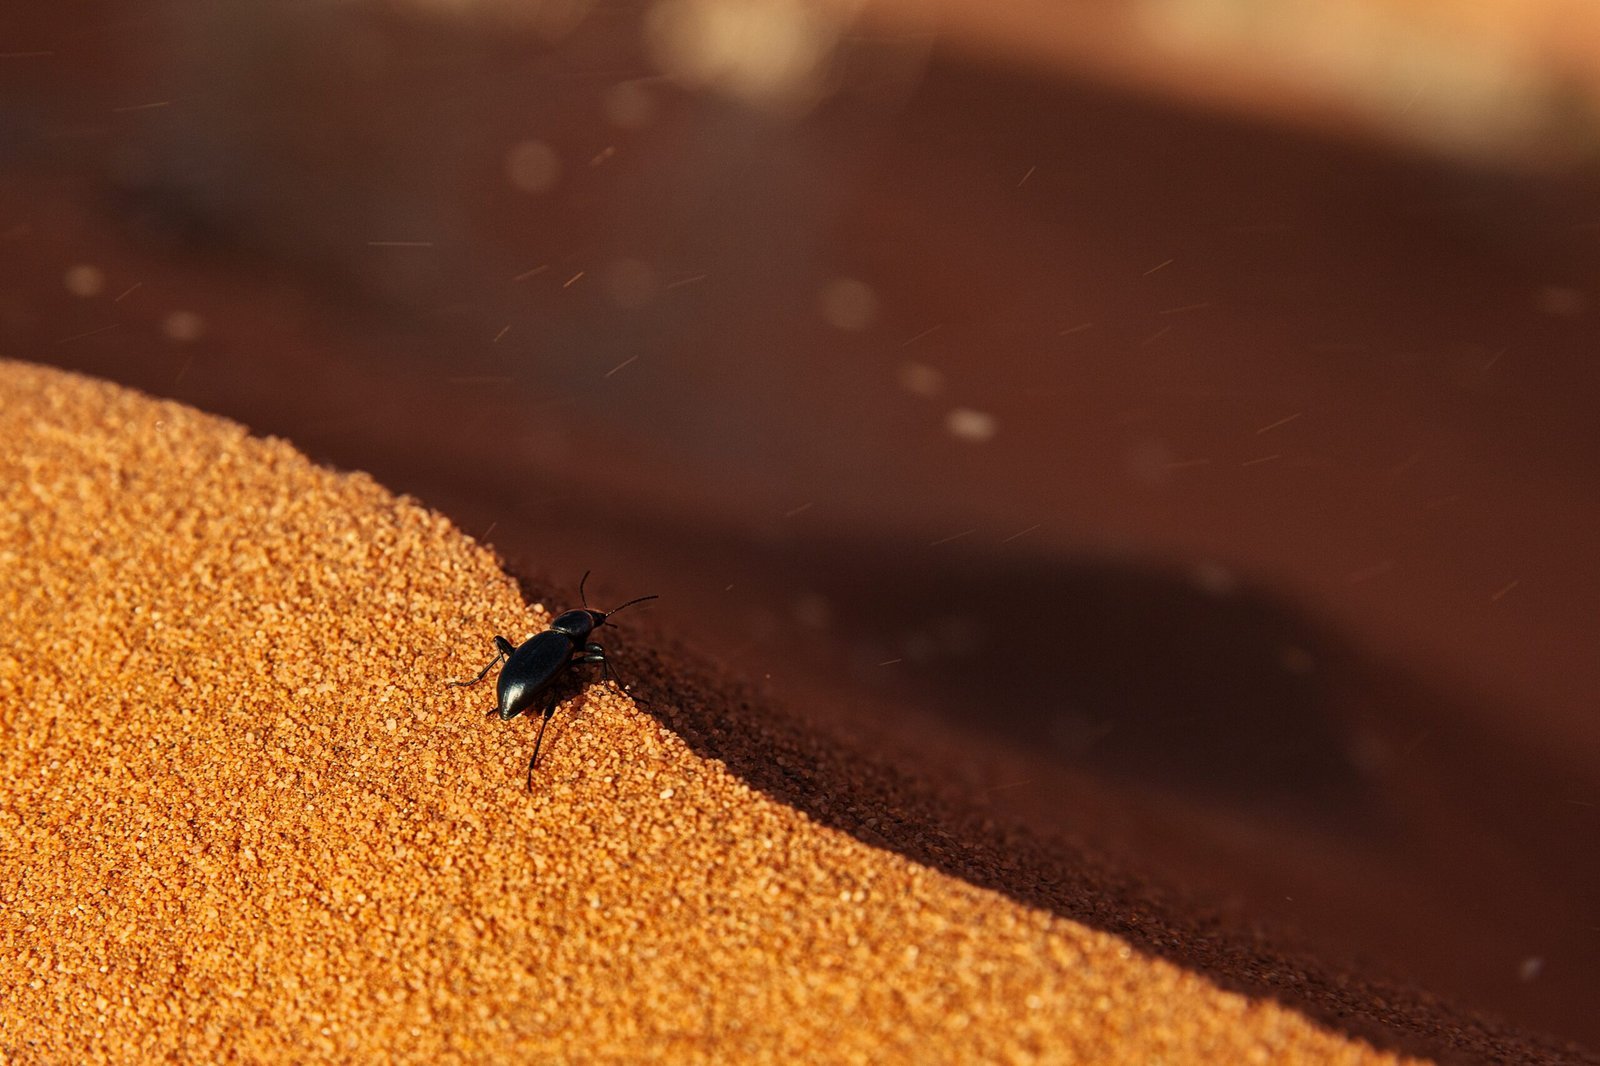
239	811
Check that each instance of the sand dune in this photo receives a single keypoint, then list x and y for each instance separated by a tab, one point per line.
242	814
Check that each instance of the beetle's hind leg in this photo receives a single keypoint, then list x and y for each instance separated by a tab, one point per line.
549	712
505	649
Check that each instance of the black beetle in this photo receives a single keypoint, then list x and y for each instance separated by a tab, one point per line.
532	668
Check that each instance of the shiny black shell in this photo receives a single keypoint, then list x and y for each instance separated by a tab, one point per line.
529	671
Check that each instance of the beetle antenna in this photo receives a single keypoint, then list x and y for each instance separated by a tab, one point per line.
630	603
581	596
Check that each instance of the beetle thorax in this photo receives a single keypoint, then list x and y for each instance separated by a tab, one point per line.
578	624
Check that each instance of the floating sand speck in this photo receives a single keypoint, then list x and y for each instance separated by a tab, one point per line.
84	280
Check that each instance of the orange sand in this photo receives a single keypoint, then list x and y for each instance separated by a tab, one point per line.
240	813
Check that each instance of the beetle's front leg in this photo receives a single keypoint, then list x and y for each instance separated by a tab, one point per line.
594	653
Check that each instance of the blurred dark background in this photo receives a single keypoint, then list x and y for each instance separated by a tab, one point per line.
1172	423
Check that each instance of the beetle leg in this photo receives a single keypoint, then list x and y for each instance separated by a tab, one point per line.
505	649
549	711
609	672
594	653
